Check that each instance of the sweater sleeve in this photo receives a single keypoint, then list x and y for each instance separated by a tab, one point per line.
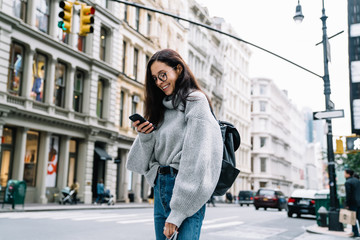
141	157
200	163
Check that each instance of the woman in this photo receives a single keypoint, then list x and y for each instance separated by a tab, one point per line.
182	158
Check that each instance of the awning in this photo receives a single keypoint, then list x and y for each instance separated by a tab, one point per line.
102	154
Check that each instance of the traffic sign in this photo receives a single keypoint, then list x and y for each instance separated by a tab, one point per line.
328	114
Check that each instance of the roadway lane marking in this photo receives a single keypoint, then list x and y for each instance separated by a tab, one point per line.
218	219
222	225
136	221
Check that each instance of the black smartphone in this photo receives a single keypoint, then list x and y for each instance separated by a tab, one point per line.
136	117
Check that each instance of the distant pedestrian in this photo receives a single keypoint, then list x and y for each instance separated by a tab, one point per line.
212	201
100	190
75	186
352	202
182	157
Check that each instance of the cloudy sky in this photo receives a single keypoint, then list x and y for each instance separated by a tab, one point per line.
270	24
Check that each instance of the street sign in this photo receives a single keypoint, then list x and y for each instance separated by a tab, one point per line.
328	114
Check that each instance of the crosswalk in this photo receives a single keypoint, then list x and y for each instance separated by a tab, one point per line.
142	218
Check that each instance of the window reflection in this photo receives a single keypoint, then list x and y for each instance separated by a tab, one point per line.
42	15
38	77
15	69
78	91
59	91
19	8
31	155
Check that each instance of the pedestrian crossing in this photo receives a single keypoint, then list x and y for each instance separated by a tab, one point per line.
118	218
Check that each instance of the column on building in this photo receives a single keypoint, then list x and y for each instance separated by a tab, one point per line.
110	166
19	154
87	162
63	162
42	167
84	193
124	182
137	187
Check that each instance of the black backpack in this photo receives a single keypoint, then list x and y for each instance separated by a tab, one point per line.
229	172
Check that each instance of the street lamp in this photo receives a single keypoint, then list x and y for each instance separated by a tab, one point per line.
334	223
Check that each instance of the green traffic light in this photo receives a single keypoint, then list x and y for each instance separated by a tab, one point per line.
61	25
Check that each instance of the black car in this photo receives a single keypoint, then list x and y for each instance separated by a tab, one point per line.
270	198
301	201
246	197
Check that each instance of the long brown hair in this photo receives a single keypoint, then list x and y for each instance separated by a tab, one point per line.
185	84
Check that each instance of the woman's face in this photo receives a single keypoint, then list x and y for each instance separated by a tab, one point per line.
164	77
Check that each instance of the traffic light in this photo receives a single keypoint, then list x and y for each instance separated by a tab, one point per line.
353	143
339	147
66	15
86	19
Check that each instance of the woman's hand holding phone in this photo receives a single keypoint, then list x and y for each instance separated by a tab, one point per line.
141	124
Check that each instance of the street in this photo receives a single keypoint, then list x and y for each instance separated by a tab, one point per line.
223	222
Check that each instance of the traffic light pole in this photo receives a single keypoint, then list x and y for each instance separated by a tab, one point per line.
334	223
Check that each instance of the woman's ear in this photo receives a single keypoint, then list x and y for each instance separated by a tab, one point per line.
179	68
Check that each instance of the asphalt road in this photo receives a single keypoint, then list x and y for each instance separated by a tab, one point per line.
221	223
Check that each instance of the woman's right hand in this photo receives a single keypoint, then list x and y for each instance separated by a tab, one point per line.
145	127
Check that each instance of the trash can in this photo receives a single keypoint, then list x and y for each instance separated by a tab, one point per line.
131	197
322	199
15	193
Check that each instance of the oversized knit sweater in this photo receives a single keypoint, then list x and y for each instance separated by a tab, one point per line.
189	141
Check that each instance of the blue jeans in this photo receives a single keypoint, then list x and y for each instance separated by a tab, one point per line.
190	227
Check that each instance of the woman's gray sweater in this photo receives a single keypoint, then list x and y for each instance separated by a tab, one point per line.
189	141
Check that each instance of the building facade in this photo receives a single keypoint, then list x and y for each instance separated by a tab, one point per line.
278	139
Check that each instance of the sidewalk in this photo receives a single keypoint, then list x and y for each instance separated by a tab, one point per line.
36	207
325	230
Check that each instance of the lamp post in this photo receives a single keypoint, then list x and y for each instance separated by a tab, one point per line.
334	223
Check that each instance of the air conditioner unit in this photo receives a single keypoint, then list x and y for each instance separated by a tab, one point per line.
136	99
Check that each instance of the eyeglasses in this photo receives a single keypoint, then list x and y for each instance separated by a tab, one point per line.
162	76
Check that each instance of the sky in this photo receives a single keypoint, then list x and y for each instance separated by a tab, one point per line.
270	25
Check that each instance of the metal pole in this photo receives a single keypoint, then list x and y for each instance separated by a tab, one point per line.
334	223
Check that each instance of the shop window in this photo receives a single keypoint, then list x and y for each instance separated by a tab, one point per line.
72	162
103	39
100	98
19	8
136	59
31	156
60	80
38	77
52	161
42	15
122	96
15	76
78	91
7	144
263	184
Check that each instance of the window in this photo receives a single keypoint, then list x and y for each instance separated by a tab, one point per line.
148	24
147	59
42	15
262	89
136	58
6	157
262	164
252	165
122	95
262	141
263	184
15	76
135	101
124	57
262	106
137	19
38	77
354	12
81	43
103	36
126	13
31	156
20	9
100	95
78	91
60	80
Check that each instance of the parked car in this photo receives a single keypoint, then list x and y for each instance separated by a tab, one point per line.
246	197
270	198
301	201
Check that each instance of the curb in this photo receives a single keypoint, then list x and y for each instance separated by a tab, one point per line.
324	230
